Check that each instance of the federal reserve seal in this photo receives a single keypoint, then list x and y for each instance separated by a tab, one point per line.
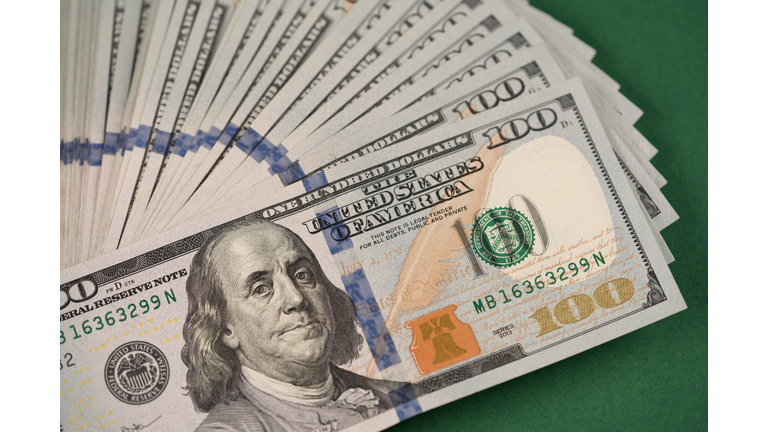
136	373
502	237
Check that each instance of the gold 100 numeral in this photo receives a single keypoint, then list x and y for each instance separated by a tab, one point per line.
585	305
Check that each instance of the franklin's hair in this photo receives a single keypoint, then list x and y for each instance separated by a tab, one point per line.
214	369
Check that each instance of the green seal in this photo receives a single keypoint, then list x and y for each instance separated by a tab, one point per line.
502	237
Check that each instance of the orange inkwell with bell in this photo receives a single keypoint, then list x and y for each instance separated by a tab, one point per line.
440	340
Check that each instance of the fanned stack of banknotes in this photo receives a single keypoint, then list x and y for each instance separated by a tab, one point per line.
318	215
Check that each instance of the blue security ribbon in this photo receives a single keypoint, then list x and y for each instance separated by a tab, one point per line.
359	289
405	402
182	144
142	136
110	143
225	136
130	140
211	137
292	174
83	150
370	318
122	140
280	164
95	153
277	155
69	152
375	331
161	142
197	141
249	141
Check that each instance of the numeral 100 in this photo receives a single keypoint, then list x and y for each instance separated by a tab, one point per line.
585	305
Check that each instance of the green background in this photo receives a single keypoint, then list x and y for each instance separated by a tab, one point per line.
654	379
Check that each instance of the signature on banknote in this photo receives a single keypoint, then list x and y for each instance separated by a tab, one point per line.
137	427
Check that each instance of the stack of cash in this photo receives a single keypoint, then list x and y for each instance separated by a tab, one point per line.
328	214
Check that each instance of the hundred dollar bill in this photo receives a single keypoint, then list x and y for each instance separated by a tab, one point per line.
130	22
487	46
470	255
267	41
181	64
303	27
224	62
455	36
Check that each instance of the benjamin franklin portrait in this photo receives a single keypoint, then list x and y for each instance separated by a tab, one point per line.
265	334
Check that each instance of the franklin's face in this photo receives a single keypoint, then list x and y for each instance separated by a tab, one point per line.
279	313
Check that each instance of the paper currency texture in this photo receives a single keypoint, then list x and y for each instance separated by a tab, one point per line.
463	257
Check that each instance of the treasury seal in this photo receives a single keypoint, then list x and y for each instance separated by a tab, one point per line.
136	373
502	237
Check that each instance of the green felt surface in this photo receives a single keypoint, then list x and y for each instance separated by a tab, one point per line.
654	379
